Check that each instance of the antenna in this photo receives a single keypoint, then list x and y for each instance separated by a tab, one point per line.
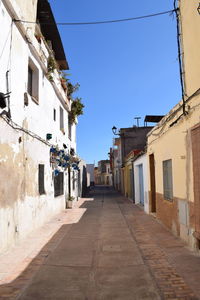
137	118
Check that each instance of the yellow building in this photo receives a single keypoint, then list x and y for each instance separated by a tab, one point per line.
174	144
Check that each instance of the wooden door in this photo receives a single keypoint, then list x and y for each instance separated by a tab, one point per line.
152	183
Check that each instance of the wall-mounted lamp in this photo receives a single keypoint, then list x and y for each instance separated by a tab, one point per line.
198	8
3	99
114	130
48	136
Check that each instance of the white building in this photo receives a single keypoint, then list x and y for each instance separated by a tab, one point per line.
90	170
35	178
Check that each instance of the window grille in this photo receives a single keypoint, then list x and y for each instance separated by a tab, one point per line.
167	179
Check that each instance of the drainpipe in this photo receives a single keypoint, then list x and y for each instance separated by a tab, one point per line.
133	181
8	93
177	12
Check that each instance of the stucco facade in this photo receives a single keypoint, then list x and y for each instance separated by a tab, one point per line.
173	145
104	174
90	170
27	178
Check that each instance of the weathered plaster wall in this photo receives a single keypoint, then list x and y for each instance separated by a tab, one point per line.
21	207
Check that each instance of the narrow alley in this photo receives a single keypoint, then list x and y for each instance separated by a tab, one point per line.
105	248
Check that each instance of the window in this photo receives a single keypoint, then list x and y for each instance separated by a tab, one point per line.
33	81
61	119
58	185
69	129
41	179
167	179
73	180
54	114
30	81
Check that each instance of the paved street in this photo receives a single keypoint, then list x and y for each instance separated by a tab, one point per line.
105	248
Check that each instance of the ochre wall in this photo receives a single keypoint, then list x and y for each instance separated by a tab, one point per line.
190	37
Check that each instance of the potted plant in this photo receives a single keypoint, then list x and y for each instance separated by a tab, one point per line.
70	201
63	80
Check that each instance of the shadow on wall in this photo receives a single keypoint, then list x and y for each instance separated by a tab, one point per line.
84	182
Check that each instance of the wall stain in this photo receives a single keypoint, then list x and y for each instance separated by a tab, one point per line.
17	178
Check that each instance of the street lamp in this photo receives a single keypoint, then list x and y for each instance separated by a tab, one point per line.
198	9
114	130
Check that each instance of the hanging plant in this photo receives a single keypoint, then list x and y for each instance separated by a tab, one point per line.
51	65
76	109
61	160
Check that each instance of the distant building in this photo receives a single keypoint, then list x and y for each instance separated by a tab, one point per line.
130	139
90	170
104	174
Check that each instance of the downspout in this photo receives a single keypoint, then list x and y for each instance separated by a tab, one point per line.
8	92
177	12
133	181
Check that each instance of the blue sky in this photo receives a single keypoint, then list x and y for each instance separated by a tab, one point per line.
124	69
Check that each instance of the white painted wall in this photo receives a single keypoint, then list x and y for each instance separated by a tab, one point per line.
90	170
21	207
141	160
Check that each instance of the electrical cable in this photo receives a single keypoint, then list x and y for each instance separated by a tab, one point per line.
18	127
101	22
179	56
170	117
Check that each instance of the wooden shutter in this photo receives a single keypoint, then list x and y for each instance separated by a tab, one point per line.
61	119
58	184
41	179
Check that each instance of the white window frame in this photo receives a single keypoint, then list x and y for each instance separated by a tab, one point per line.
35	82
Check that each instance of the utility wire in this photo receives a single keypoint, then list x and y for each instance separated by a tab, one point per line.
6	40
20	128
102	22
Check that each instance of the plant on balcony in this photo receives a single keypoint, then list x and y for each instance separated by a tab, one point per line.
63	80
39	37
51	66
76	109
71	89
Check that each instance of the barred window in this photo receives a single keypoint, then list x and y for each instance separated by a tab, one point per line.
167	179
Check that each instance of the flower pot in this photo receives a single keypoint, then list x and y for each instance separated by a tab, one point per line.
69	204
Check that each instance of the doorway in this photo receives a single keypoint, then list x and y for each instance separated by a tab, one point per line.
141	184
152	183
